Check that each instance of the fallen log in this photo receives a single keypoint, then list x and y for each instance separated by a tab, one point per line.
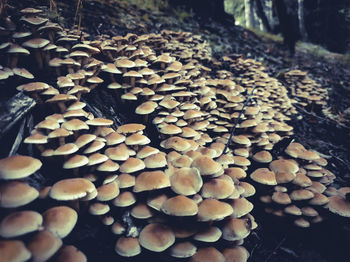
13	110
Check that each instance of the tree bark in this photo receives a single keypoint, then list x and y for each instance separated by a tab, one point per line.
261	13
301	20
249	13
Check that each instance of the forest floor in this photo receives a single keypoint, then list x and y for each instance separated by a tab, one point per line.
331	137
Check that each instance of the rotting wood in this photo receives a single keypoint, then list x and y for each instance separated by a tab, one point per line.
14	110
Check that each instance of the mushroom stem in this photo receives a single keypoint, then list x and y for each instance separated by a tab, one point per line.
13	62
38	59
75	205
62	107
61	141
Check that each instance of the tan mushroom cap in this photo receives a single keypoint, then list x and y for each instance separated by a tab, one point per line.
130	128
186	181
262	157
301	194
66	149
217	188
132	165
206	165
208	254
180	206
264	176
141	211
339	206
44	245
236	254
108	191
16	193
20	223
176	143
293	210
18	166
119	153
241	207
156	237
209	235
70	254
14	250
75	162
148	181
235	173
156	201
146	151
114	138
125	180
183	250
99	122
235	229
157	160
281	198
98	209
137	139
84	140
124	199
108	166
212	209
75	125
127	247
60	220
71	189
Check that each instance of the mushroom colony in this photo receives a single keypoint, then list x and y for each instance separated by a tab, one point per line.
187	195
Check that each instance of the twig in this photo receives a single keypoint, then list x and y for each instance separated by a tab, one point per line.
18	139
275	249
237	121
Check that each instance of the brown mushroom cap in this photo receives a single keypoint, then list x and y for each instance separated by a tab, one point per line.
17	166
14	250
208	254
156	237
127	247
44	245
130	128
212	209
207	166
209	235
183	249
132	165
20	223
148	181
236	254
217	188
60	220
264	176
71	189
16	193
186	181
339	205
235	229
180	206
70	254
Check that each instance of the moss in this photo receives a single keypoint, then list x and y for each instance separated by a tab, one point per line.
266	35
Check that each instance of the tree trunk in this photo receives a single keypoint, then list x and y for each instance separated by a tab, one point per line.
249	13
261	13
301	21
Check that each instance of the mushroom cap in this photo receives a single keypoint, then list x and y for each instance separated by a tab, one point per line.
264	176
60	220
156	237
18	166
70	254
217	188
99	122
235	229
75	162
14	250
124	199
137	139
71	189
127	246
130	128
209	235
236	254
180	206
241	207
20	223
141	211
206	165
44	245
108	191
183	250
339	205
208	254
148	181
186	181
157	160
16	193
212	209
132	165
36	43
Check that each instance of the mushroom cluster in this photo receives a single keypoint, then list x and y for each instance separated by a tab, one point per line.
296	185
186	194
305	90
26	233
